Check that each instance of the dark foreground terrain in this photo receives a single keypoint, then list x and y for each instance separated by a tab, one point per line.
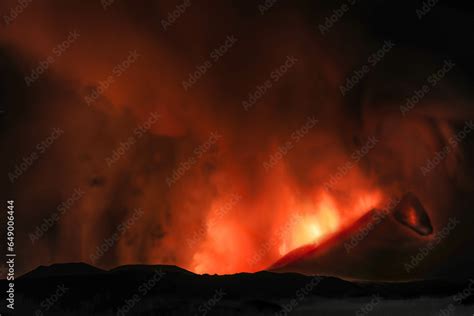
80	289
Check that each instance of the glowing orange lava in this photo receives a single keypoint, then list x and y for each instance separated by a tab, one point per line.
230	248
326	219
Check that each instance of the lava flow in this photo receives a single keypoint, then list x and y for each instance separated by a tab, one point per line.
228	246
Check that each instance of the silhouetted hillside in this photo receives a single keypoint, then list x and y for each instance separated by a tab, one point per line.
80	289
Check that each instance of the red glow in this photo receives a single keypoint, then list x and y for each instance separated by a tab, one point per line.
281	208
230	248
412	218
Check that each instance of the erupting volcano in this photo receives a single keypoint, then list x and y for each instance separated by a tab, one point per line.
309	222
250	146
